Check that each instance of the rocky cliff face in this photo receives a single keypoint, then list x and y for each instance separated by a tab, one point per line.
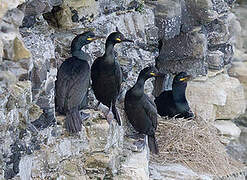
198	37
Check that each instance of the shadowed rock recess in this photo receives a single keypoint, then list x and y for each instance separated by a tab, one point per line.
205	38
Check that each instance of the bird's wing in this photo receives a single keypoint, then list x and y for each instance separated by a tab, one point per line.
78	85
72	83
150	109
61	85
119	76
95	70
165	104
151	101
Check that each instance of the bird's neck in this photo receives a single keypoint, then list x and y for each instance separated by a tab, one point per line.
178	92
138	88
80	54
109	52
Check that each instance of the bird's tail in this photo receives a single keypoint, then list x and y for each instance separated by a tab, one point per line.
152	144
73	121
115	113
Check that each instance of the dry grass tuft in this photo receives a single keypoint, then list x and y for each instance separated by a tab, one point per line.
195	144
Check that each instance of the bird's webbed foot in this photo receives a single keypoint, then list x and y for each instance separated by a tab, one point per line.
84	116
135	136
109	117
140	144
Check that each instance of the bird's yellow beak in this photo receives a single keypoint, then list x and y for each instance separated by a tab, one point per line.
183	79
153	74
118	39
95	38
89	39
187	78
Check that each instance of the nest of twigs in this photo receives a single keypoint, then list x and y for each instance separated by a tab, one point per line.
195	144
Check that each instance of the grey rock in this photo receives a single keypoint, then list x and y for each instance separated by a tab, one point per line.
17	70
184	46
55	2
36	7
218	32
226	49
7	78
215	60
25	167
220	6
29	21
167	17
230	2
14	16
45	120
201	10
14	160
175	171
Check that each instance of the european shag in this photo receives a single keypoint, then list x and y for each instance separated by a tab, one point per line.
174	103
141	110
72	83
106	74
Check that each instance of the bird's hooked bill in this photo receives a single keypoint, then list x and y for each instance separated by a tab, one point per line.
127	40
99	37
186	78
95	38
158	74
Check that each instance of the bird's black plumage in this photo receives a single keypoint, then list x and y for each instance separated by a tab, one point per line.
141	110
174	103
72	82
106	74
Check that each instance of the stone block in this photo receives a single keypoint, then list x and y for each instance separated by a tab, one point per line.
136	166
20	51
37	7
238	70
185	52
25	167
228	129
215	60
201	10
220	6
175	171
1	50
226	49
219	97
21	95
184	46
6	5
84	8
60	17
167	17
218	32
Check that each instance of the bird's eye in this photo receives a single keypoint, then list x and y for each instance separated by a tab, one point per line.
118	39
89	39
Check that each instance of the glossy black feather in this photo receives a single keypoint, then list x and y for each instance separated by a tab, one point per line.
72	84
174	103
73	80
141	111
106	75
106	83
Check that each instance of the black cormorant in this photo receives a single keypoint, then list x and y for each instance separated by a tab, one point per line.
174	103
72	83
106	74
141	110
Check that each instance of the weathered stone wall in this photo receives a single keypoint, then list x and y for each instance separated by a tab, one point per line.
197	36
